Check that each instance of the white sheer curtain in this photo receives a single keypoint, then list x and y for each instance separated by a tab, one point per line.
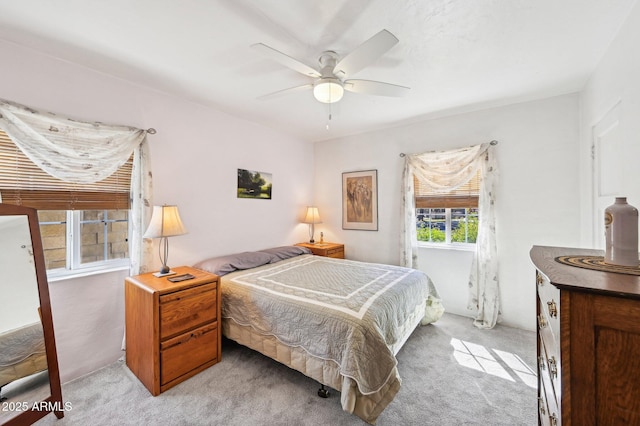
443	172
84	152
141	209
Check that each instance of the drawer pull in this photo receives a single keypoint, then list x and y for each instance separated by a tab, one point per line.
539	279
541	406
553	419
553	309
542	322
541	363
187	340
553	367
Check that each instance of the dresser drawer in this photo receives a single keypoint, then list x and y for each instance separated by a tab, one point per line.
548	413
183	310
188	351
549	374
549	296
545	331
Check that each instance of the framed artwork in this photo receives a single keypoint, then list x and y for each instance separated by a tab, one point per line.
360	200
253	184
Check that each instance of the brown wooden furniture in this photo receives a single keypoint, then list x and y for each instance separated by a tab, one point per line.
325	249
24	285
588	342
172	329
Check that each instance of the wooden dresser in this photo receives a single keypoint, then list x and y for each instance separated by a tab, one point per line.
588	342
172	329
325	249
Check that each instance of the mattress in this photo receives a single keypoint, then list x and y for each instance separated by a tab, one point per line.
338	321
22	353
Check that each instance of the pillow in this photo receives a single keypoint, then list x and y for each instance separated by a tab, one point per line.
285	252
225	264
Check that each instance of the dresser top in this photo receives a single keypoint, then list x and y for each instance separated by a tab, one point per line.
580	279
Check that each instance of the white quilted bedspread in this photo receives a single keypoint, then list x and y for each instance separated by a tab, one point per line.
335	309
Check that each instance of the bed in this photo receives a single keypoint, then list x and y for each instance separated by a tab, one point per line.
338	321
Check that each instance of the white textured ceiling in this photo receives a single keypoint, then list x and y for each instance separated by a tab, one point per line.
455	55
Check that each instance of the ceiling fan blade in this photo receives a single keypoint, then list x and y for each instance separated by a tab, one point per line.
284	92
369	87
285	60
366	53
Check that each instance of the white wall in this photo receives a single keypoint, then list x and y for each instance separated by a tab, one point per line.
88	319
537	195
195	156
616	79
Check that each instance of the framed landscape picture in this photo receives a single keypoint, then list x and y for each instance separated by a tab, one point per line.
253	184
360	200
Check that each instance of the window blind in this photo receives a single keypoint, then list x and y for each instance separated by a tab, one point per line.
24	183
465	196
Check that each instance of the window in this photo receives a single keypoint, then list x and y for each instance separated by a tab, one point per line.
102	239
84	227
447	218
447	225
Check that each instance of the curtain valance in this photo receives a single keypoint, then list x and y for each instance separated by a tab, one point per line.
446	171
70	150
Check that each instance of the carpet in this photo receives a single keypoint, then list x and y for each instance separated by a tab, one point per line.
452	374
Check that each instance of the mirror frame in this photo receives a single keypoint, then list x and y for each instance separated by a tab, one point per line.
54	402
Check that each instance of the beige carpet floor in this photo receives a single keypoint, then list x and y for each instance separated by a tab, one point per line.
452	374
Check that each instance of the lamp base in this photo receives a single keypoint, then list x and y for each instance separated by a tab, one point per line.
163	274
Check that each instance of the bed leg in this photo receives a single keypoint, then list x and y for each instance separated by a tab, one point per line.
323	392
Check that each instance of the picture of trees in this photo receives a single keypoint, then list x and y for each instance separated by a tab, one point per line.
253	184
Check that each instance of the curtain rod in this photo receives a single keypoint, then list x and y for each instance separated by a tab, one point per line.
493	142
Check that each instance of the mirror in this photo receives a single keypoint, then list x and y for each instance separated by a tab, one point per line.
29	376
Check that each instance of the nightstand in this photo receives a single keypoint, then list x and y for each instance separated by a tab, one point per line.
172	329
325	249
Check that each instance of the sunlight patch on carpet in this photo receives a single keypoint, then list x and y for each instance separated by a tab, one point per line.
505	365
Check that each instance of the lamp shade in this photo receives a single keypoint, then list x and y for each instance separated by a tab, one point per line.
312	215
328	90
165	222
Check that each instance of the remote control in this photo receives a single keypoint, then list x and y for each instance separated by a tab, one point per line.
178	278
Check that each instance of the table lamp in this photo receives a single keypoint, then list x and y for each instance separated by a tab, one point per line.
312	217
165	222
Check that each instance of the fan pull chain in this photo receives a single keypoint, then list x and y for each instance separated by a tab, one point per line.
329	120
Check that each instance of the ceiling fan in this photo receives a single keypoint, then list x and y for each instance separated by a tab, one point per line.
331	79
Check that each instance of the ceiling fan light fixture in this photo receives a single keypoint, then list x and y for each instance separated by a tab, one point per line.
328	90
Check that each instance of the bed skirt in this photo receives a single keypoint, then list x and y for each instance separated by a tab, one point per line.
327	372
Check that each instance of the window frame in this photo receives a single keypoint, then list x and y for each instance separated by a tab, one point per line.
73	246
447	244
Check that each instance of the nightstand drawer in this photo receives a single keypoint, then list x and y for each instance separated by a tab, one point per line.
336	252
325	249
186	309
188	351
